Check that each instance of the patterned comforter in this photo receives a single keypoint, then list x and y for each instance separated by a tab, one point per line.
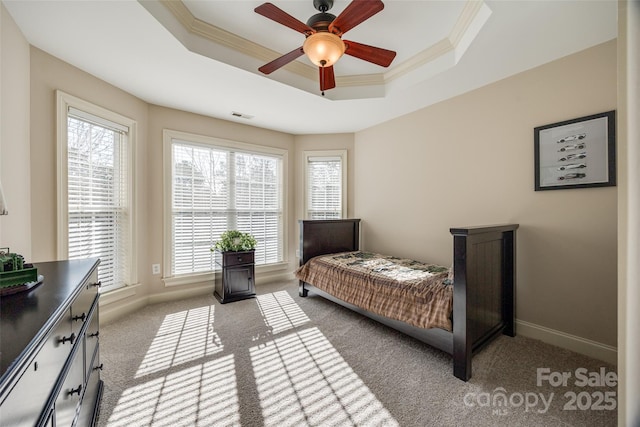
401	289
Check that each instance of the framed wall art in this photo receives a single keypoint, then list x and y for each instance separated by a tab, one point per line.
577	153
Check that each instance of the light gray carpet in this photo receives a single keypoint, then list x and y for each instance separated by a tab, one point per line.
280	360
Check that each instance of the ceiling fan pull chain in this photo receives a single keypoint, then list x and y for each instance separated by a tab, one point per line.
323	63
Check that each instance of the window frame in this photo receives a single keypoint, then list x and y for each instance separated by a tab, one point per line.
64	102
342	155
168	135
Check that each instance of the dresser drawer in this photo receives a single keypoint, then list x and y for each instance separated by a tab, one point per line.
90	402
68	400
82	305
25	403
91	340
27	400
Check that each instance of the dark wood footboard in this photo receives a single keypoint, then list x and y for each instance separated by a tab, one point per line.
484	284
483	290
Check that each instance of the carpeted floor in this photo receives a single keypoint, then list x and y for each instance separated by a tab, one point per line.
280	360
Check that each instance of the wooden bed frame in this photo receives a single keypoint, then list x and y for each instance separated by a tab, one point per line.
484	284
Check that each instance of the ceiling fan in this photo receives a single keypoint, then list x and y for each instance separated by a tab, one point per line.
323	31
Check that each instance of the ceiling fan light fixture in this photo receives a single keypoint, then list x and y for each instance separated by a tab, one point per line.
323	48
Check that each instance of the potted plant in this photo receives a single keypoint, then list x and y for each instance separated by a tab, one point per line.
235	241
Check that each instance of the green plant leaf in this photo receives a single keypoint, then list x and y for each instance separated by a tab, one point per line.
235	241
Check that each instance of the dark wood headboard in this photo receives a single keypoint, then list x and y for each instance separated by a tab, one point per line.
319	237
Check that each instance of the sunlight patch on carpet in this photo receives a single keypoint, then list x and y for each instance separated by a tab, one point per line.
203	395
303	380
280	312
183	337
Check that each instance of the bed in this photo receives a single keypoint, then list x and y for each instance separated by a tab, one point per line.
481	285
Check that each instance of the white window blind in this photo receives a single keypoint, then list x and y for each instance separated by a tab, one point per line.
97	195
324	187
215	189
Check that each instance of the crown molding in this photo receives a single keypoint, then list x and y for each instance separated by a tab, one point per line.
232	41
465	21
448	44
463	26
430	54
360	80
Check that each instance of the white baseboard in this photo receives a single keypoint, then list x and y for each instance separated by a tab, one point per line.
207	288
178	294
114	311
121	302
274	277
575	343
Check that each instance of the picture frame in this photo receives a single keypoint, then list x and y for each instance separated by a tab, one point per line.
576	153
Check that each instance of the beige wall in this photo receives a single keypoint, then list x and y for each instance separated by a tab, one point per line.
469	161
15	228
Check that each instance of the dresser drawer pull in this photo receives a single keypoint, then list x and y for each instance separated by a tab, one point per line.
99	367
81	317
94	335
71	338
75	390
97	284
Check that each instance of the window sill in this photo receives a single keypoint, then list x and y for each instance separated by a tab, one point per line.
113	295
190	279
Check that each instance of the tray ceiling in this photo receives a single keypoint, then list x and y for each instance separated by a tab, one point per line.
202	56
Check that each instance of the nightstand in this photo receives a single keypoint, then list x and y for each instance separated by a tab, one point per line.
236	282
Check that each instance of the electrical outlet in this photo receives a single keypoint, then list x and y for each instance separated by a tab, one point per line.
155	268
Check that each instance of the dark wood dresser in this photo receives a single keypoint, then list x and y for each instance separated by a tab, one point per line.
237	278
49	354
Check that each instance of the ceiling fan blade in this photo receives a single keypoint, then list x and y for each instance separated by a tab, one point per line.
371	54
273	12
358	11
281	61
327	78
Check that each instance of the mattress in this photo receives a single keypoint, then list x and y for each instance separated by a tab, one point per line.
413	292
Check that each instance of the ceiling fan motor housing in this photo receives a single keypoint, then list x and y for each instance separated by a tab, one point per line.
323	5
320	21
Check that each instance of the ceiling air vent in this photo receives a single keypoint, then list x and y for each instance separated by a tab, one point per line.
241	115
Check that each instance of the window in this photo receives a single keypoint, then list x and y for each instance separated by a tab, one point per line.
95	189
218	185
325	176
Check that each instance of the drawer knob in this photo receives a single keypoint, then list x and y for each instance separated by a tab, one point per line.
75	390
97	284
81	317
94	335
71	338
99	367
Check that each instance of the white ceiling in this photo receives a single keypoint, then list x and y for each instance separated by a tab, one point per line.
175	56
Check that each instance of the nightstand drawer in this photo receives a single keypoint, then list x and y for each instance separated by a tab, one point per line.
237	258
